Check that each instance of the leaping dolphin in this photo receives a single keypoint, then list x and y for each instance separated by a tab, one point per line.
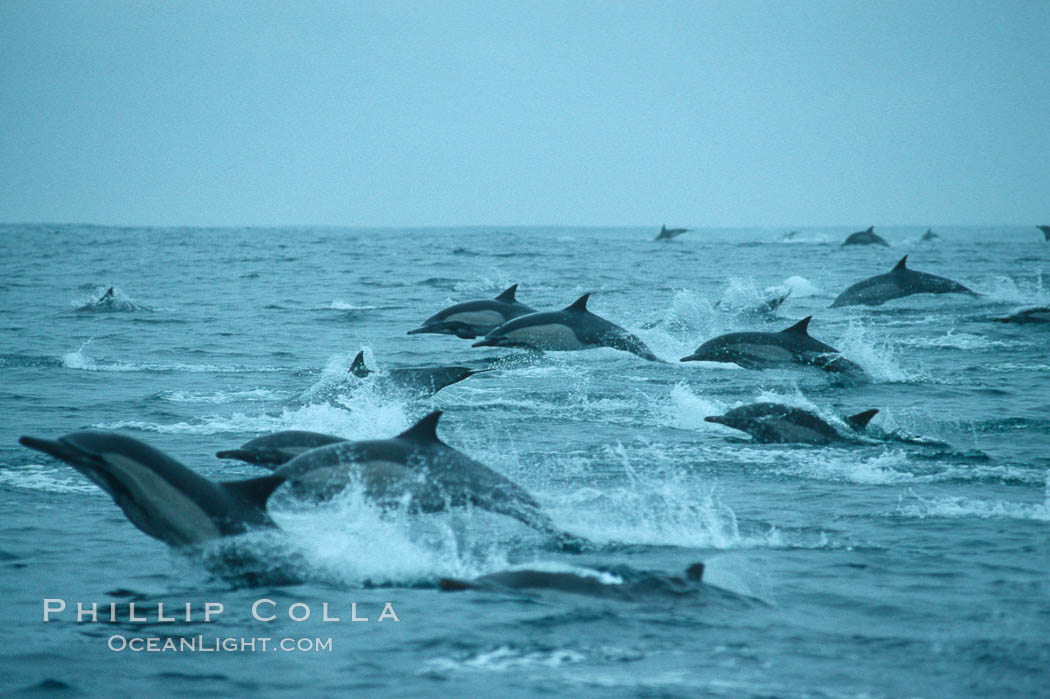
670	233
765	350
1046	231
778	423
895	284
868	237
272	450
1039	314
470	319
159	495
417	469
929	236
422	381
572	328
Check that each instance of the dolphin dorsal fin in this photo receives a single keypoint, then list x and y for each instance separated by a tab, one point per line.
799	328
423	431
871	229
508	295
579	304
901	266
254	490
358	368
663	228
861	420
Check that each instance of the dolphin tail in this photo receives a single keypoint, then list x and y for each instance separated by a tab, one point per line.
570	543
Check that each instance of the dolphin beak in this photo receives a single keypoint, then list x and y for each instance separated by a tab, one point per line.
690	358
417	331
720	419
239	454
49	447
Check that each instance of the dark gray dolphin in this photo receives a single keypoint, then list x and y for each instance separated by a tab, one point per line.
470	319
1046	231
868	237
765	350
422	381
272	450
159	495
416	469
779	423
615	582
670	233
572	328
1039	314
895	284
930	236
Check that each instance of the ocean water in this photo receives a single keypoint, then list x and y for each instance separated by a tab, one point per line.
881	569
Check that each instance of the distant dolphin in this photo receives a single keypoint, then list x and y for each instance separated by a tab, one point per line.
765	350
868	237
470	319
417	469
616	582
765	307
423	381
1039	314
895	284
779	423
272	450
930	236
572	328
159	495
1046	231
670	233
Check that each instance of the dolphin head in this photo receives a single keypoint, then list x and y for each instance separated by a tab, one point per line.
710	351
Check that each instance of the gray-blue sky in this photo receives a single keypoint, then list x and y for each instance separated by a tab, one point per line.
390	113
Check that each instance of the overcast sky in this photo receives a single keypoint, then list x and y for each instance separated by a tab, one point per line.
718	113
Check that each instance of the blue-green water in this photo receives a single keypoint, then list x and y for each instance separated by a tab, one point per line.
882	569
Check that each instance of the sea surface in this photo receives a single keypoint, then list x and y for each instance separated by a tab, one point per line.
879	569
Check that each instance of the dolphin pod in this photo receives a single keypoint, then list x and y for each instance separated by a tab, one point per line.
471	319
778	423
170	502
868	237
766	350
897	283
572	328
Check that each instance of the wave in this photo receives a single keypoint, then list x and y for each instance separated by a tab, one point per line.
84	362
961	507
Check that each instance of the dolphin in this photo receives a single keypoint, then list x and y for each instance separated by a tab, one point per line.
930	236
423	381
765	350
572	328
272	450
615	582
778	423
1046	231
868	237
159	495
670	233
417	469
766	306
895	284
470	319
1039	314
